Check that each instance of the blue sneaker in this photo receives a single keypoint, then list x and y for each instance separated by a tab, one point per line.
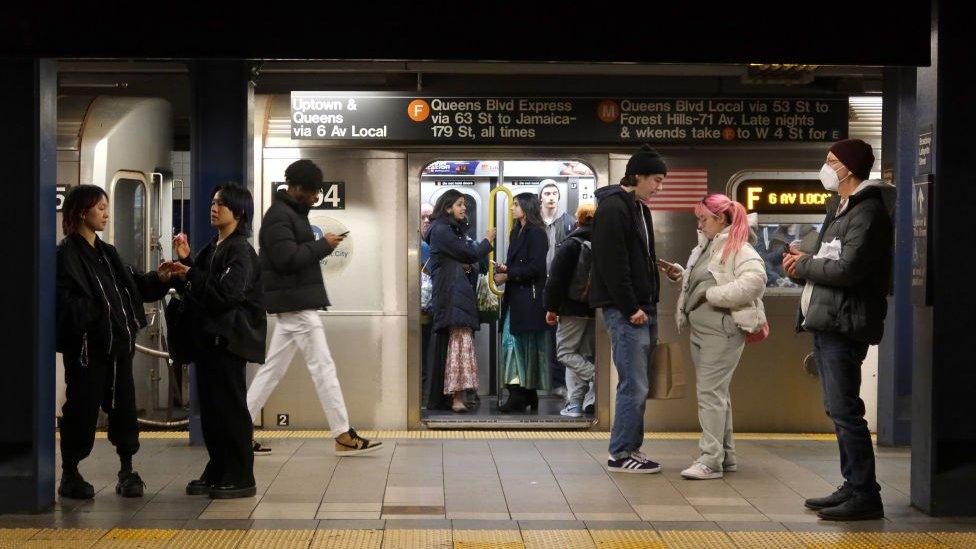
572	410
636	463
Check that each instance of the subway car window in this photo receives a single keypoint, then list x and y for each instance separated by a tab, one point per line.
129	221
774	239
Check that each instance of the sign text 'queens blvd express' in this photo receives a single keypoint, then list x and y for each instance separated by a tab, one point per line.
394	117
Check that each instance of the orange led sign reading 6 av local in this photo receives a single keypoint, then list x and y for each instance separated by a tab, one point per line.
783	196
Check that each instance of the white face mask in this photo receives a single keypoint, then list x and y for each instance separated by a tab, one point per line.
828	177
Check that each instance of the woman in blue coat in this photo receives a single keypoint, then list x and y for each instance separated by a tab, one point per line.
525	338
452	365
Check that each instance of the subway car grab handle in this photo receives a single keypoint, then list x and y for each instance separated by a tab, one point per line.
491	225
152	352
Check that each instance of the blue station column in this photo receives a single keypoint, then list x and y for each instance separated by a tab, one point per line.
943	299
220	144
28	150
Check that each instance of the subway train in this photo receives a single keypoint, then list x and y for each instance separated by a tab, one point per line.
374	326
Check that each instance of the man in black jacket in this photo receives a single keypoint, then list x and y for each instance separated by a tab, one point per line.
295	292
625	284
843	305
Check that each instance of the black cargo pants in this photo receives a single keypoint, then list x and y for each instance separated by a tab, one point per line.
90	387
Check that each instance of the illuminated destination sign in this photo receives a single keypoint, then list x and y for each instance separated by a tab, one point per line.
783	196
473	120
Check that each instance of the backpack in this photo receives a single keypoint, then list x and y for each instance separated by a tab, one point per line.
579	285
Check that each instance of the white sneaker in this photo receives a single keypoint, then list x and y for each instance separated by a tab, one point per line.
699	471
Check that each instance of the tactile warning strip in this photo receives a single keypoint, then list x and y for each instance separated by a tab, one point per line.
15	537
858	540
956	539
557	539
489	435
694	539
417	539
627	539
207	539
488	539
277	539
124	538
65	538
347	539
764	540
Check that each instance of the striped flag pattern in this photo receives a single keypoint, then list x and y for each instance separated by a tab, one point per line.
682	189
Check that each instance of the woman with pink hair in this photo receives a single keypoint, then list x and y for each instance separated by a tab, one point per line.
721	300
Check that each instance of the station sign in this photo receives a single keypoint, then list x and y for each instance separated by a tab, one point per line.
783	196
401	118
333	196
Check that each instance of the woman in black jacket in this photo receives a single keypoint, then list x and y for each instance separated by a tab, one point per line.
222	286
99	312
525	337
452	365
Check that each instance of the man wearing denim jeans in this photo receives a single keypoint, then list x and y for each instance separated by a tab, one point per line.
625	284
843	305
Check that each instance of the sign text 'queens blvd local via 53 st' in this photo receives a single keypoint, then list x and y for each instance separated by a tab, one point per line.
396	117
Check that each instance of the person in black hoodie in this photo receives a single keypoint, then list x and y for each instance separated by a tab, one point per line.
566	304
625	284
99	312
222	286
525	335
452	366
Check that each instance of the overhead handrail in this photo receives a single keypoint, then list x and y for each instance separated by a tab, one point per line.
491	224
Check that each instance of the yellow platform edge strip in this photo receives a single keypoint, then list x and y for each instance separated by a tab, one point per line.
476	539
487	435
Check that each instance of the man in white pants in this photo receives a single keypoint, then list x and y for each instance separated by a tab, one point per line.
295	292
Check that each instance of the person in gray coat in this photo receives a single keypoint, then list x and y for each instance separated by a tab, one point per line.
721	299
843	305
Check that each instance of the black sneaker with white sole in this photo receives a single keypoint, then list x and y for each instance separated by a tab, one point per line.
635	463
260	450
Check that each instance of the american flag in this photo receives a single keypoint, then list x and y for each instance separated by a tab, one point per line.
682	189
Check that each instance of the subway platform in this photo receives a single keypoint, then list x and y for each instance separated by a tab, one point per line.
480	489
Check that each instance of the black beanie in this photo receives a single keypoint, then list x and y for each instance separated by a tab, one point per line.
856	155
646	161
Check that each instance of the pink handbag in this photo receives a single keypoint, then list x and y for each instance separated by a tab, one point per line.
758	335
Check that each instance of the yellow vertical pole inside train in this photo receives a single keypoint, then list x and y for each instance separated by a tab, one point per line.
491	224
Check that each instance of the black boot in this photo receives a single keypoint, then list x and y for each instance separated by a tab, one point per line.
74	486
532	399
857	507
843	493
130	485
518	400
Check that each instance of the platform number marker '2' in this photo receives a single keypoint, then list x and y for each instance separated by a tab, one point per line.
282	420
333	195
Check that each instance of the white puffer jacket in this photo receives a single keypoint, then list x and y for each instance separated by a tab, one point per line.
740	282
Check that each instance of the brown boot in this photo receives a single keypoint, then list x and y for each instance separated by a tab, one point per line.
351	444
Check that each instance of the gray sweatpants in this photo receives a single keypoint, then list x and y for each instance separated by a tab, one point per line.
575	342
716	346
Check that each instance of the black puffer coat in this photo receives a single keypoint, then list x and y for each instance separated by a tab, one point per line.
526	283
453	300
850	294
290	270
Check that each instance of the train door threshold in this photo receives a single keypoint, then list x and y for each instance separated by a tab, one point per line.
485	415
